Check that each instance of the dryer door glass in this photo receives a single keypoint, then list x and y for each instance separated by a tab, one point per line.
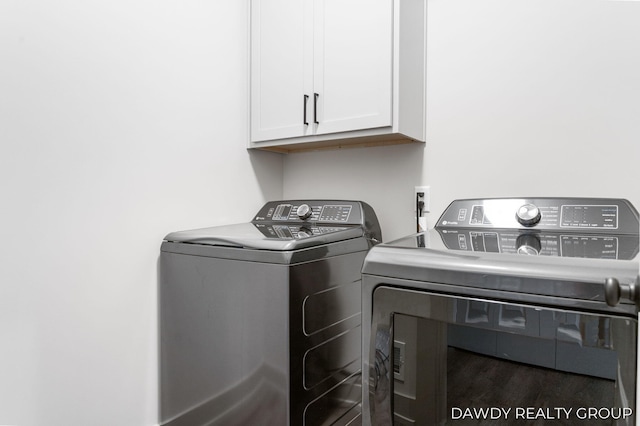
460	360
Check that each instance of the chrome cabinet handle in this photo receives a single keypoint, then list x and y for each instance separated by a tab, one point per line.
614	291
315	108
304	106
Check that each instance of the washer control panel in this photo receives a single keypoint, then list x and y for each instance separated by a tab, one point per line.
550	214
301	219
313	211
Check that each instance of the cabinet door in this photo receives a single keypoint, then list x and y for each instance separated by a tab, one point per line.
281	68
353	60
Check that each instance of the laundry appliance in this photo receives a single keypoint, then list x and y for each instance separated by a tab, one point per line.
260	321
509	311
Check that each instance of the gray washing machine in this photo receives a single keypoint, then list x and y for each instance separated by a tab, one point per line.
260	321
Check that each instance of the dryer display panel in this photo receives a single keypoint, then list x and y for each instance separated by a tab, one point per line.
589	217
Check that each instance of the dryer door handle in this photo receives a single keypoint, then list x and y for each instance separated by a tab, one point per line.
614	291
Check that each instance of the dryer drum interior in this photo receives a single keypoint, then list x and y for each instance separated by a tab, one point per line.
510	310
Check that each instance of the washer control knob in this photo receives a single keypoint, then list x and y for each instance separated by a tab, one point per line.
304	211
528	215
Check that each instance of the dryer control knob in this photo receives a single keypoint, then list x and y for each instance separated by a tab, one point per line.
528	244
528	215
304	211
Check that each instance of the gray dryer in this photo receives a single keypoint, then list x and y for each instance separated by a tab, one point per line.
510	303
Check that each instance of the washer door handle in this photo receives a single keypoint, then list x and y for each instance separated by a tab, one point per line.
614	291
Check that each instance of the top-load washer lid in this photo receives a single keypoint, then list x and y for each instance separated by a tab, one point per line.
291	225
572	248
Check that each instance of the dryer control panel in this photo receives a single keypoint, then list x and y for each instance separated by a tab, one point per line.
546	214
564	227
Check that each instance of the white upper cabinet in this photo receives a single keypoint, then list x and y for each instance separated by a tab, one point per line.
281	63
353	45
330	73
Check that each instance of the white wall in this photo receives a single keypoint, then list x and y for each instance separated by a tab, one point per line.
523	99
119	122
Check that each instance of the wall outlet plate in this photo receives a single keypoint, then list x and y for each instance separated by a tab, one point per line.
426	190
